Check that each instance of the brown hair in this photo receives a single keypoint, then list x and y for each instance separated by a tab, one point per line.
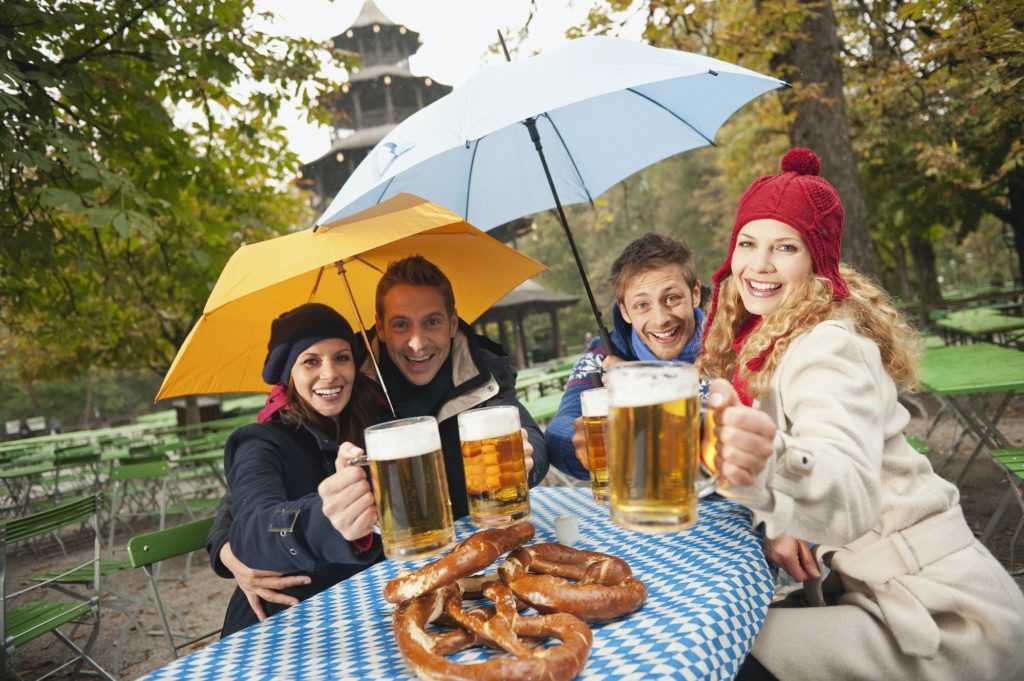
362	411
869	307
414	271
649	252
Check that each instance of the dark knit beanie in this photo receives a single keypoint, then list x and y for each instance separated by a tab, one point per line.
804	201
294	331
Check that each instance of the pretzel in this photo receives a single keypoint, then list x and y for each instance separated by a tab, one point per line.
604	588
469	556
425	652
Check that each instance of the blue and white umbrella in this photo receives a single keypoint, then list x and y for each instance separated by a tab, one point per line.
555	129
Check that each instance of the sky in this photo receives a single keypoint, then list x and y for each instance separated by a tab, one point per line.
455	38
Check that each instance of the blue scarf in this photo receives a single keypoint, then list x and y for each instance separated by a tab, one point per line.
690	350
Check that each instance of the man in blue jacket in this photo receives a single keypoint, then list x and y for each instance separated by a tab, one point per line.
656	316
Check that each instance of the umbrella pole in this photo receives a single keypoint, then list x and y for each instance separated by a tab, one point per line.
531	125
362	329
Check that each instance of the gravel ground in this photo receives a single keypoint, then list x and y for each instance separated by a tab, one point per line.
202	597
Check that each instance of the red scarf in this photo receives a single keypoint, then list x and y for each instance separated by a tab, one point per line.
275	400
740	384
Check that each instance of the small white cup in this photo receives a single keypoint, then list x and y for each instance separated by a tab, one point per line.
567	529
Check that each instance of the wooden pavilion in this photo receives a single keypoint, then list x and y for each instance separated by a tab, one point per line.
508	313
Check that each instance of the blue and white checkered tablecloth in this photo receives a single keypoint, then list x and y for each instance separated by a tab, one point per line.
708	587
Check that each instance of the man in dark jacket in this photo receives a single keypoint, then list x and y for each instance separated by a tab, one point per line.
433	365
656	316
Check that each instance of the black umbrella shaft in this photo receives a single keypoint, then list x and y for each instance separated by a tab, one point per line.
531	125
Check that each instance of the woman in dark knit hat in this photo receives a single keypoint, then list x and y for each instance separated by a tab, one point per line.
297	510
811	440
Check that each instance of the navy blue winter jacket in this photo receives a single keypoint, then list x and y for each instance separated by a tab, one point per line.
273	470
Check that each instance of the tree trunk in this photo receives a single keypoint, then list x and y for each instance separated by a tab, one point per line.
900	254
87	410
1016	191
33	399
922	257
812	65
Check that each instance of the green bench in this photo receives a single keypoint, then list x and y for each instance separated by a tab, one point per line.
919	445
543	382
1013	461
543	407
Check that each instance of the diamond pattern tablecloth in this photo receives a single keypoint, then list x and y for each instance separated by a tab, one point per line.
708	587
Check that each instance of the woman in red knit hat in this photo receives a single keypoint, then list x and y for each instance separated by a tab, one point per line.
811	440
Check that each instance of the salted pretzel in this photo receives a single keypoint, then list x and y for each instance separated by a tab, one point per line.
605	587
468	557
426	652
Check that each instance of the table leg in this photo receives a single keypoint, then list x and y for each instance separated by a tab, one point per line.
1016	535
1000	510
987	433
938	417
961	417
960	420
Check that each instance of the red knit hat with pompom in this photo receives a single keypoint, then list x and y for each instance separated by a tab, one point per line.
806	202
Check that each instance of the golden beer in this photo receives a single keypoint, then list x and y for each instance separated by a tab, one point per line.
495	466
653	445
708	442
594	405
410	487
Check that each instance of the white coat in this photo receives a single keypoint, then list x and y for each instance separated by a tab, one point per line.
913	594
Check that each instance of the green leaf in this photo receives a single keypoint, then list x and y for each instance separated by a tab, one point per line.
61	199
100	217
123	224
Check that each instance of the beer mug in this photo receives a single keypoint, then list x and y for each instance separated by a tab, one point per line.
594	405
708	441
654	446
410	487
492	456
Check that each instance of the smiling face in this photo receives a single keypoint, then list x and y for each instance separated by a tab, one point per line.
659	304
323	376
770	260
417	331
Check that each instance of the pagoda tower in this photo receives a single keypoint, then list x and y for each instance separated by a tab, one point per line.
378	96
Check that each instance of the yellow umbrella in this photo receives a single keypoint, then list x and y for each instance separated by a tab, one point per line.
225	350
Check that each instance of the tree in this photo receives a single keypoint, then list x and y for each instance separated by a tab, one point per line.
138	151
938	122
810	62
971	64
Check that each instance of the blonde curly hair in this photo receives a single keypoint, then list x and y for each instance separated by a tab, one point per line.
868	306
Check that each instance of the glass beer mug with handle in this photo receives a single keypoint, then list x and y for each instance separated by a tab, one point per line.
594	406
410	487
495	466
654	446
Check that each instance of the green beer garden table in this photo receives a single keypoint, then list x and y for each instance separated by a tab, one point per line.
964	377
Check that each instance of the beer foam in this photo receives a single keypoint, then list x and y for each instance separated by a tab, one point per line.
641	385
402	439
594	402
479	424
